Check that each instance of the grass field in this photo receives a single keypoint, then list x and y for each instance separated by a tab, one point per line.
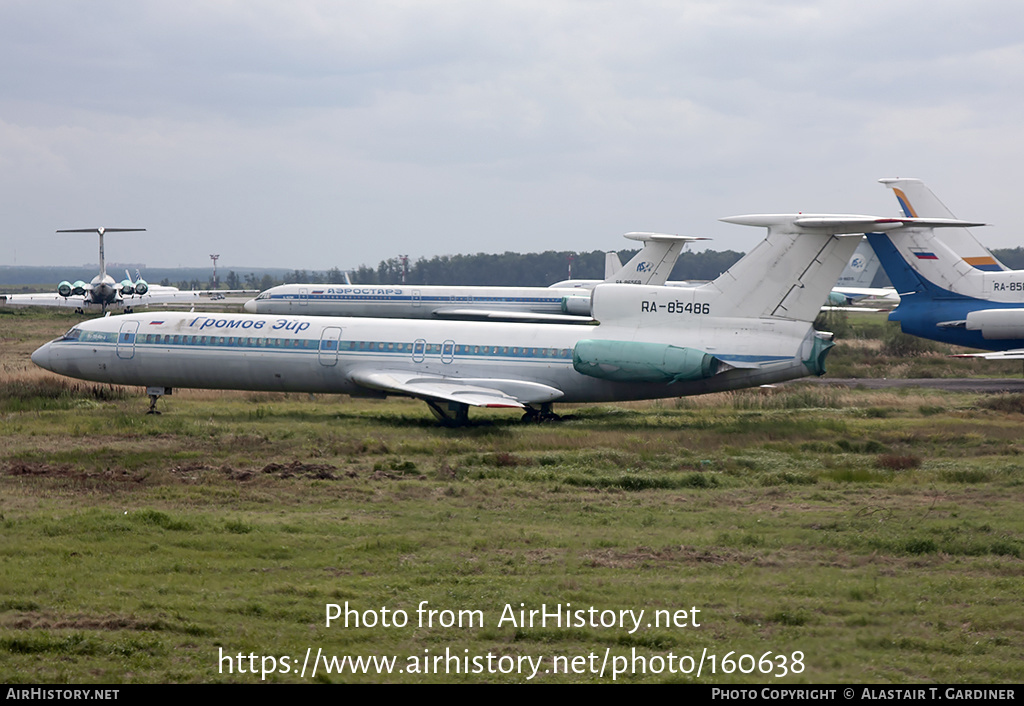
877	534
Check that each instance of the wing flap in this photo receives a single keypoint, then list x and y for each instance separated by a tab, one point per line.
479	392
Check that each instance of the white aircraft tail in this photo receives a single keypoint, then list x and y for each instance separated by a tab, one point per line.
654	263
612	265
918	261
917	201
101	231
860	271
790	273
788	276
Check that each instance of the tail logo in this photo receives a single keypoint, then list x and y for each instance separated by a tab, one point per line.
908	210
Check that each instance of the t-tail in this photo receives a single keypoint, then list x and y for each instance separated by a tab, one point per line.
612	264
101	231
917	201
790	273
755	318
920	262
654	263
862	268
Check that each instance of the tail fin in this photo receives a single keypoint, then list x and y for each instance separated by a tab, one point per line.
918	261
790	273
654	263
101	232
860	271
612	264
917	201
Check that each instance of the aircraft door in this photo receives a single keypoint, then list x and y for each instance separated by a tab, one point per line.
303	296
126	339
419	349
330	342
448	351
416	299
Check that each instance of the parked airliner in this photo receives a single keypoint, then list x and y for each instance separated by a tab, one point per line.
103	293
960	296
750	326
569	303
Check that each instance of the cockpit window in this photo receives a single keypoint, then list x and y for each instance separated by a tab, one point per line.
264	295
72	335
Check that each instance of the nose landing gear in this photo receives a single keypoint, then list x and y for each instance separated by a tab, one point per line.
156	393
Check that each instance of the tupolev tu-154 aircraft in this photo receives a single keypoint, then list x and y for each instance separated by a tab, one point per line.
750	326
951	288
916	201
103	292
567	302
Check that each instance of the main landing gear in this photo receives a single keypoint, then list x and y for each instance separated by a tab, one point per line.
450	414
538	416
456	414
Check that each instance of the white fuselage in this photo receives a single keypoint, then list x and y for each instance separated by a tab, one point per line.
323	354
407	302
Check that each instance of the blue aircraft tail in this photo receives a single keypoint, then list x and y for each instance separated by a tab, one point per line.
903	276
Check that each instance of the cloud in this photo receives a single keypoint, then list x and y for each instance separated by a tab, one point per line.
286	133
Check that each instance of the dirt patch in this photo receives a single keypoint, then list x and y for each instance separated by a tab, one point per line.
39	621
646	555
48	470
321	471
23	468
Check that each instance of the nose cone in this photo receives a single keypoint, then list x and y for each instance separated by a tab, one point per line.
250	306
42	356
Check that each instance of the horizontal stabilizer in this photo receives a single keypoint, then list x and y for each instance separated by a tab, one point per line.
662	237
101	231
843	224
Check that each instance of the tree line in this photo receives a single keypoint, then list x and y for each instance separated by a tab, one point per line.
508	269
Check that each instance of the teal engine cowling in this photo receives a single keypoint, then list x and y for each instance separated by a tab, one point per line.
78	288
64	289
577	304
631	361
837	299
141	287
127	288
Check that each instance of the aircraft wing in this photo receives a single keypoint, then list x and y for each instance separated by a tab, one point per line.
888	293
498	315
862	309
1017	354
43	299
159	296
174	295
479	392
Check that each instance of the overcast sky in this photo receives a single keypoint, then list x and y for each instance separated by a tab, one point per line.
314	133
